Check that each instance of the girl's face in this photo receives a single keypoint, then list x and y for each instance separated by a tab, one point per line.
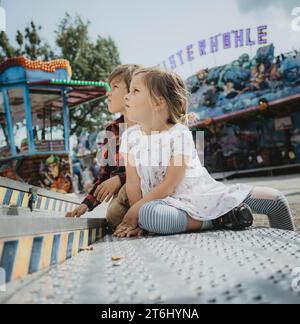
139	108
116	101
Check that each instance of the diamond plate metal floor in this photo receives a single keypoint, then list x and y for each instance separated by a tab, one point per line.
254	266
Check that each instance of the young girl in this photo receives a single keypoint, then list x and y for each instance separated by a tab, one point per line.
168	189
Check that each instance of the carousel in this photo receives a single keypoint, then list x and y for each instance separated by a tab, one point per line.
35	100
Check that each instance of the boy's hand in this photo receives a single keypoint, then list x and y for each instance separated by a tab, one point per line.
107	189
129	226
78	212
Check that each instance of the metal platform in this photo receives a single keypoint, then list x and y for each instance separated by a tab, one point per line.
254	266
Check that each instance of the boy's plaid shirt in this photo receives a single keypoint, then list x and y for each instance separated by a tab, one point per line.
108	171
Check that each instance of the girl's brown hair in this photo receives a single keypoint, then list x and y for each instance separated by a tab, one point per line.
124	72
170	86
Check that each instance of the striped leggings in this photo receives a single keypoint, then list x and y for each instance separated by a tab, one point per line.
160	218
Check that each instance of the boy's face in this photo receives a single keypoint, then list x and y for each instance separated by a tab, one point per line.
138	105
116	96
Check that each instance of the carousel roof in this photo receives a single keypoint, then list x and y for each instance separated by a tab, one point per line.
50	66
49	78
79	92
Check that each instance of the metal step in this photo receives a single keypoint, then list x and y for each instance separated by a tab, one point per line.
29	245
254	266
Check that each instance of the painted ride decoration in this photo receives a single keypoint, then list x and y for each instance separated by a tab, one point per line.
250	111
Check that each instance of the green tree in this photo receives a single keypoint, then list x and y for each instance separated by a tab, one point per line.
29	43
90	60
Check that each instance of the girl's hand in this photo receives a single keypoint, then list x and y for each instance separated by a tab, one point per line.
106	190
130	233
129	225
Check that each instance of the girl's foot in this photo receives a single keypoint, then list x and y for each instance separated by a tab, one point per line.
239	218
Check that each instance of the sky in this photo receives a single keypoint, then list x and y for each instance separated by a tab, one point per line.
148	32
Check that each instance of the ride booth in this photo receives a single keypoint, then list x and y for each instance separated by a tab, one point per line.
35	102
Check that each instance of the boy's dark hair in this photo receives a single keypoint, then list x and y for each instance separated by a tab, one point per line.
124	72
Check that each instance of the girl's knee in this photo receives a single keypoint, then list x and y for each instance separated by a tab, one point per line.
145	212
281	197
146	209
150	216
263	193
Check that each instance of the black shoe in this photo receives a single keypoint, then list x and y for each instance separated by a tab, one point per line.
239	218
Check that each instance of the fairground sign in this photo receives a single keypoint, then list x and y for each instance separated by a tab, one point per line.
214	44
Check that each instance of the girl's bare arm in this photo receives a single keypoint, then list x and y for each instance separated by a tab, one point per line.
133	181
175	174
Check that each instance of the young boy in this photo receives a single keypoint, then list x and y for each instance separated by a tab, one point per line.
112	178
